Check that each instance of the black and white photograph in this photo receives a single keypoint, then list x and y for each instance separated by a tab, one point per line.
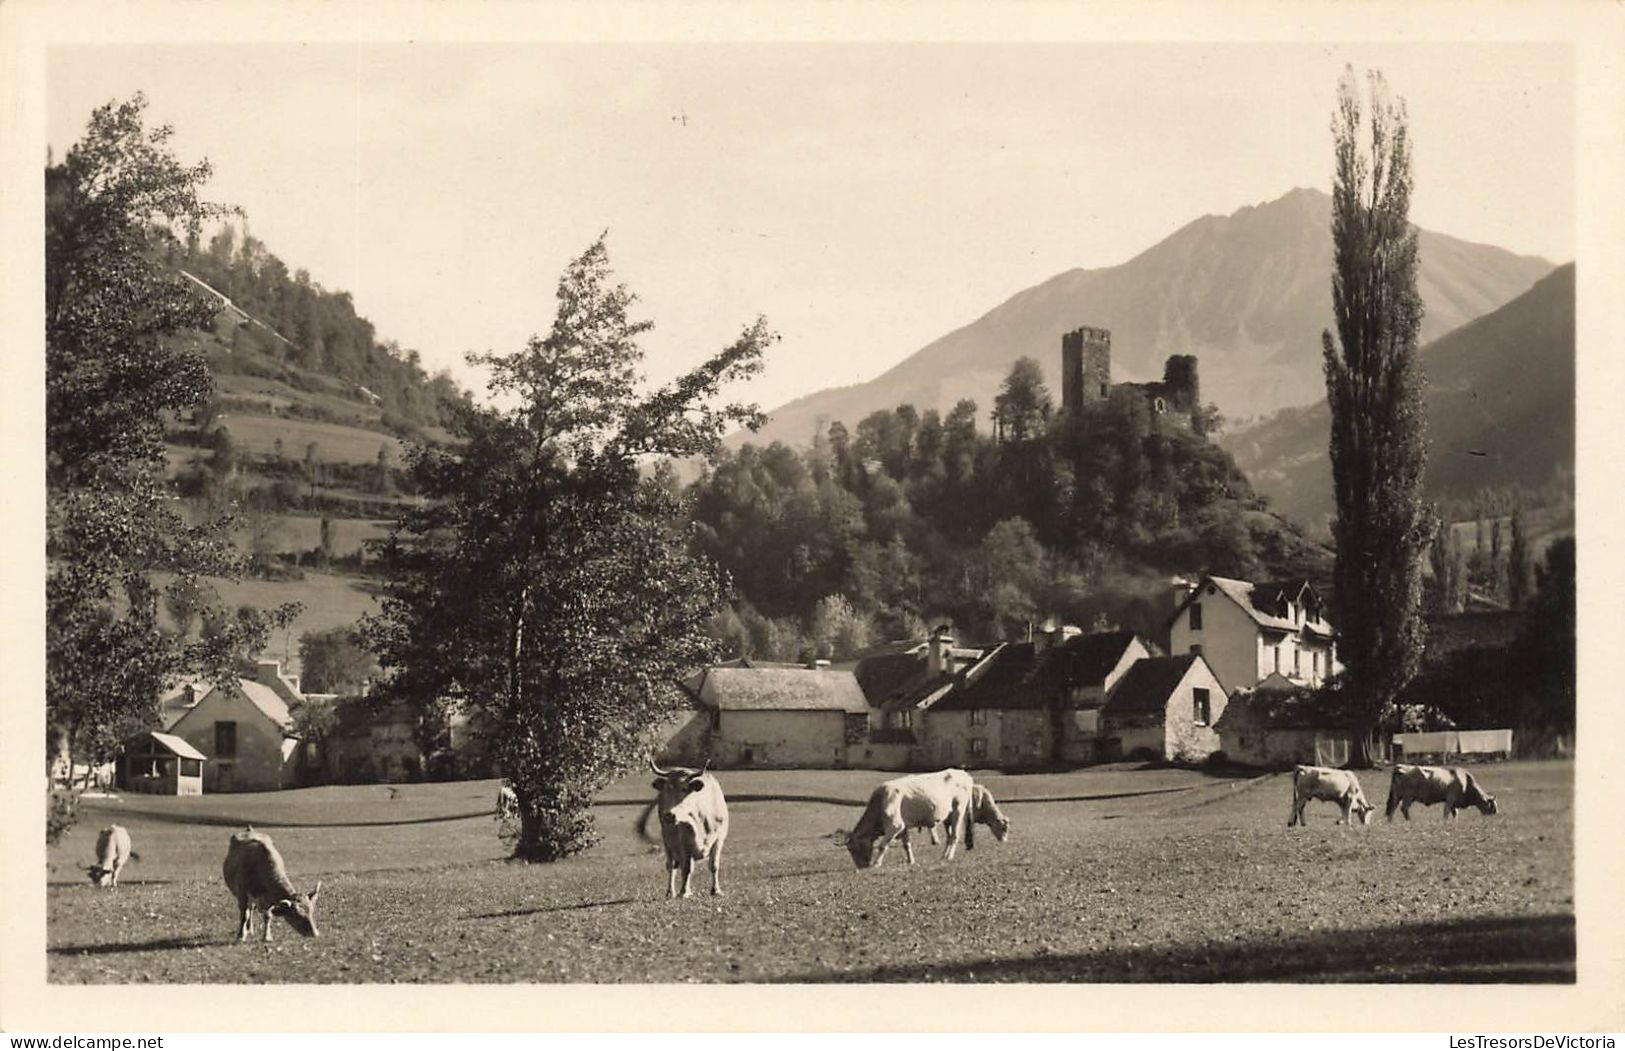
506	502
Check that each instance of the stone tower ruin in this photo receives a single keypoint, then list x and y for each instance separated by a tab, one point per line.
1086	368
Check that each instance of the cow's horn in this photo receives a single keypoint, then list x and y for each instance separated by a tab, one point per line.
653	766
705	765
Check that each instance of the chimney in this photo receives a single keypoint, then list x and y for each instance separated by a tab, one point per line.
940	660
1180	589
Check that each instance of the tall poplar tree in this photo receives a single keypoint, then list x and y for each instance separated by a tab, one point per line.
1374	389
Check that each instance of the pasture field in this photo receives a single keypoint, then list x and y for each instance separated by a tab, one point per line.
1111	874
335	442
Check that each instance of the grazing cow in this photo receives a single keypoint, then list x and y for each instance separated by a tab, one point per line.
255	874
1450	785
507	802
984	811
920	801
1334	786
693	823
112	854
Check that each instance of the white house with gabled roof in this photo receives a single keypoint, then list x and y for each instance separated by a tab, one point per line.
1247	632
245	729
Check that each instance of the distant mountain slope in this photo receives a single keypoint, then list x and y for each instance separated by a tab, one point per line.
1500	410
1248	293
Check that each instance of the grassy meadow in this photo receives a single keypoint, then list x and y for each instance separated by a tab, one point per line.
1111	874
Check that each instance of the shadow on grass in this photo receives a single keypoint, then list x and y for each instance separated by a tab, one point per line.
549	908
196	941
1494	949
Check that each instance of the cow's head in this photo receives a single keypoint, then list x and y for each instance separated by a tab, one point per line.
1363	810
300	911
99	876
679	789
1486	804
863	848
986	811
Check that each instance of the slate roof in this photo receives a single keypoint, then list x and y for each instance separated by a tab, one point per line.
267	701
1086	660
782	689
1144	689
1004	679
1265	602
897	674
172	744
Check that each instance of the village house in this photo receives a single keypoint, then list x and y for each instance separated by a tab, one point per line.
769	717
1276	724
370	744
244	728
1247	632
1164	708
1021	705
159	764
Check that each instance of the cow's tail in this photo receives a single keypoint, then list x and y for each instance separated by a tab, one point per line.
1393	794
643	823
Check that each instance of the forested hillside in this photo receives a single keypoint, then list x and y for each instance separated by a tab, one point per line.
873	533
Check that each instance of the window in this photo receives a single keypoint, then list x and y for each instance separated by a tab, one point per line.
1201	707
978	716
1297	663
191	768
1277	657
1157	405
225	740
1196	616
1314	663
1197	649
900	719
978	747
1102	390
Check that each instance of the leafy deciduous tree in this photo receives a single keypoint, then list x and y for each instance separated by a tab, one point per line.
546	584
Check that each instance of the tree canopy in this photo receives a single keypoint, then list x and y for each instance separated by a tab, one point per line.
112	529
547	583
1374	390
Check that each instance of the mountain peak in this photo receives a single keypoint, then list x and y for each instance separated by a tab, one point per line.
1248	294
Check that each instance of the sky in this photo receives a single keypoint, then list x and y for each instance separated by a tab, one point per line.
865	198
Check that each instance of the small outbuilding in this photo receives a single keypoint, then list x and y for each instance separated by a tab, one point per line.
159	764
1279	724
771	718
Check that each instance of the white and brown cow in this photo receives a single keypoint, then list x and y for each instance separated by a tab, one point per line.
947	797
256	876
1333	786
693	823
1450	785
112	854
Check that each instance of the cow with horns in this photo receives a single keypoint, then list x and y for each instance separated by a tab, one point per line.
693	823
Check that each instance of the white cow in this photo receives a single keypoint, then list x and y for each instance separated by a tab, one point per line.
948	797
507	802
693	823
1450	785
112	854
256	876
1334	786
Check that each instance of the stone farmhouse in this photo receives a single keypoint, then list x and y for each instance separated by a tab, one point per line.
243	728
